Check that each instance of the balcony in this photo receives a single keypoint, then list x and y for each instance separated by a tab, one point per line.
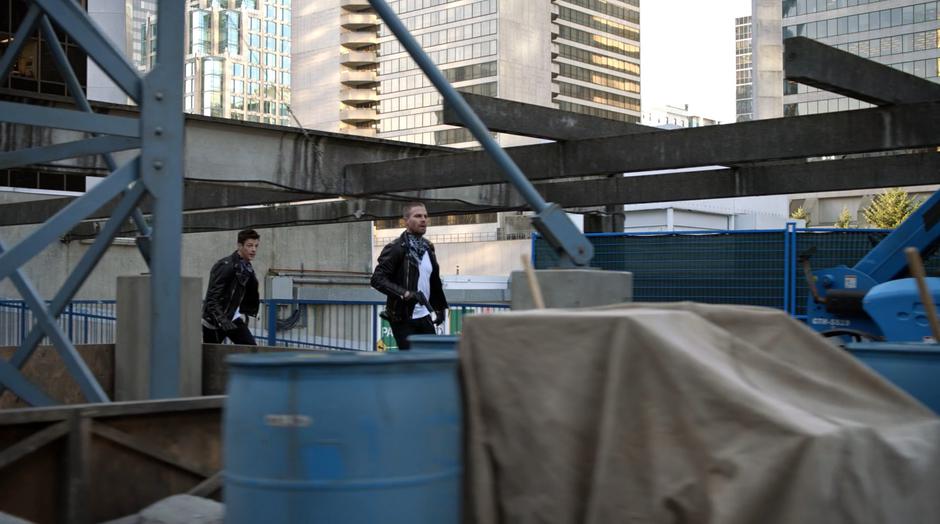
355	5
358	20
368	78
358	131
358	96
358	58
358	115
358	39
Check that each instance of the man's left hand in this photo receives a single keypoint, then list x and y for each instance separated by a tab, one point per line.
439	317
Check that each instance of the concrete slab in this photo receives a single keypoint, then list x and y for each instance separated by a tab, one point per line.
569	288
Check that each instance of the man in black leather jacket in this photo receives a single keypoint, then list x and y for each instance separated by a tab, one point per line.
232	294
406	267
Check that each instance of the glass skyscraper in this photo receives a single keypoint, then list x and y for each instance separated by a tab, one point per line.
743	71
237	59
577	55
899	33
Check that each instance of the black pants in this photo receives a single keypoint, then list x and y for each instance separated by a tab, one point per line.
239	335
415	326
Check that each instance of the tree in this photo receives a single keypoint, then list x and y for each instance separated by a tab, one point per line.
845	218
800	214
887	210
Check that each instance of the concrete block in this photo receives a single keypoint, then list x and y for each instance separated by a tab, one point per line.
132	341
570	288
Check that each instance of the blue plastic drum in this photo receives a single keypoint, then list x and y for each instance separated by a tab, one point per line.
343	437
434	342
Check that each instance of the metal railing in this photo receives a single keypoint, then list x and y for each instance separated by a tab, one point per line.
349	325
460	238
84	321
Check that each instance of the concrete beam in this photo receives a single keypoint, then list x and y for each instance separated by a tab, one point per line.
196	196
353	210
225	150
813	63
517	118
905	126
751	180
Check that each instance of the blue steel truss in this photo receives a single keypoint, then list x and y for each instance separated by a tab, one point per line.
157	171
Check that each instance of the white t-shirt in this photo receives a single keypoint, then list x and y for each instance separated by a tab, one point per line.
424	285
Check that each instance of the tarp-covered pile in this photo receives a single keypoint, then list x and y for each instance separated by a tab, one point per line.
686	413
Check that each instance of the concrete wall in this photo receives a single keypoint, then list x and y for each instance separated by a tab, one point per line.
342	247
45	369
482	258
315	47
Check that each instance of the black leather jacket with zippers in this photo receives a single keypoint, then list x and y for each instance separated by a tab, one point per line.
231	287
395	273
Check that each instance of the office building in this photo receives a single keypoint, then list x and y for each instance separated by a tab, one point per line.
35	71
899	33
576	55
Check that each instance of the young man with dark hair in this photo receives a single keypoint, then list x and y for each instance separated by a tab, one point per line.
408	274
232	294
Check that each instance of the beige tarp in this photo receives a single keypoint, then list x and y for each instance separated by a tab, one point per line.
686	413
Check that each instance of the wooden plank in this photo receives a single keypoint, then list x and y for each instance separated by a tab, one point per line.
144	407
208	486
78	468
32	443
129	441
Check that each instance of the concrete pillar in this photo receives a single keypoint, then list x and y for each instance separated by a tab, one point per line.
132	341
767	58
567	288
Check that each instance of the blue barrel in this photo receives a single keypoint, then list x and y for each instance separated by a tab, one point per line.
434	342
913	367
343	437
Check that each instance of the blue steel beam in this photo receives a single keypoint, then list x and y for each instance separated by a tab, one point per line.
67	353
75	89
19	40
66	119
88	262
68	217
550	220
161	157
70	16
78	148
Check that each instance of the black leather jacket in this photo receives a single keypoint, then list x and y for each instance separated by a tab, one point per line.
395	273
231	287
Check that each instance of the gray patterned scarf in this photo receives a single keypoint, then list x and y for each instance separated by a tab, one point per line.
417	246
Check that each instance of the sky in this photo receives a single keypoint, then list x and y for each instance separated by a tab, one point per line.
687	54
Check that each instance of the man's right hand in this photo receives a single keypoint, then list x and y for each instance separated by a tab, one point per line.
228	325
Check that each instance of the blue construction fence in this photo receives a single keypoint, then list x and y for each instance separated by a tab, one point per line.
751	267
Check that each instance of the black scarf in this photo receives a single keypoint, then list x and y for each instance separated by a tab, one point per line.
417	247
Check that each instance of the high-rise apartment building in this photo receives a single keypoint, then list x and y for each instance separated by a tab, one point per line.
237	59
900	33
743	84
577	55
